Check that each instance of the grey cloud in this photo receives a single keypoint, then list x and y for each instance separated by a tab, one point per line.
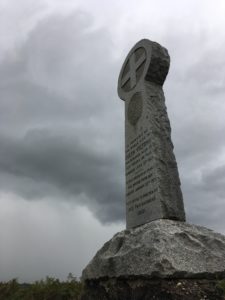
208	72
213	181
62	124
50	164
62	71
204	202
58	109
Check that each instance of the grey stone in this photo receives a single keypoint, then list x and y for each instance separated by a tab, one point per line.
160	249
152	179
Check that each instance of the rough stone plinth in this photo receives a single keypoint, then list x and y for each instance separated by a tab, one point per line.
152	180
160	249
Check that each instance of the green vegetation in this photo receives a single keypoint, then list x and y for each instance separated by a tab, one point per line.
48	289
221	286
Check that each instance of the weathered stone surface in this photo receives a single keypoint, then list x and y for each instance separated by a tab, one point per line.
152	180
148	289
161	249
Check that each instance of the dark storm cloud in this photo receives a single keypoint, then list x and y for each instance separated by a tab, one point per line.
45	163
57	114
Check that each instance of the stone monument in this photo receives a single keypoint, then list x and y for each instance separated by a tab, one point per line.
159	256
152	180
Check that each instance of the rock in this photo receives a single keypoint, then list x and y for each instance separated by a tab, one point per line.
160	249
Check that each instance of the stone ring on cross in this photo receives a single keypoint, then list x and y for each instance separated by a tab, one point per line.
148	61
133	69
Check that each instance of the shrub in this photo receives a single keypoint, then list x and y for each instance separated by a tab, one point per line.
48	289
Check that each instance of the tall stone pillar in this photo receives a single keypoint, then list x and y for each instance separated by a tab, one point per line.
152	180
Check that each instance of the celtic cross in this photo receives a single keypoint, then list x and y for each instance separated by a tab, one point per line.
152	179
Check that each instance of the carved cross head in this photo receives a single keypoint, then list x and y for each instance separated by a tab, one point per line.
148	61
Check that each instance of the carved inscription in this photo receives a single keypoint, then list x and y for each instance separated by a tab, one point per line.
141	181
152	180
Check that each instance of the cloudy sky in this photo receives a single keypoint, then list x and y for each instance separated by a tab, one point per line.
62	179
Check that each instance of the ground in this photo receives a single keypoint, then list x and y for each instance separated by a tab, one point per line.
146	289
